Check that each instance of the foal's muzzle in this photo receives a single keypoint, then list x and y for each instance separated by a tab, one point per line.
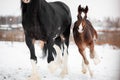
26	1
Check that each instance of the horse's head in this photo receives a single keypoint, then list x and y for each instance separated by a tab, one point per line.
82	15
26	1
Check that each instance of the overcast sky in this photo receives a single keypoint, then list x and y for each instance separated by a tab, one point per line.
98	9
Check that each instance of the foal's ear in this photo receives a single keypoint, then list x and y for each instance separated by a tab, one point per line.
79	8
86	9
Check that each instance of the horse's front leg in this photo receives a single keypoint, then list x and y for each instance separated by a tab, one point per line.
85	63
54	65
93	54
30	44
65	61
92	51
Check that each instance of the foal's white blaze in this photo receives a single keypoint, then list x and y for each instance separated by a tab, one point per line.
65	61
80	30
34	75
26	1
58	61
82	15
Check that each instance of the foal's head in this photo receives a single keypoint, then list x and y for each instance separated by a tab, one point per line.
82	15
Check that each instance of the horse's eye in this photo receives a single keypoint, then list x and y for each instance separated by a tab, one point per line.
80	17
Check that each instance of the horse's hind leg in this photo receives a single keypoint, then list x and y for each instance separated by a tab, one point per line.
30	44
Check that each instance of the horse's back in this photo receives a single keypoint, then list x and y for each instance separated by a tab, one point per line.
61	9
58	6
63	15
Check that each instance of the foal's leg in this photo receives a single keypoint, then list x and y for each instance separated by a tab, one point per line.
30	44
92	51
65	61
85	63
93	54
82	52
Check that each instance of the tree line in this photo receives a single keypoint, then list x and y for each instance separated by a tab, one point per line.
9	20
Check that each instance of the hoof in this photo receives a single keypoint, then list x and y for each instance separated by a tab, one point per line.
84	71
86	62
63	73
53	66
34	77
96	61
91	74
92	55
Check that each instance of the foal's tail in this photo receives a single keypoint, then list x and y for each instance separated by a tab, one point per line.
95	35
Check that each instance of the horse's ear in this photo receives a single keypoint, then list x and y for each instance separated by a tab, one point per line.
86	9
79	8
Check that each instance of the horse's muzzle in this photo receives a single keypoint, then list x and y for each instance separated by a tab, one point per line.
26	1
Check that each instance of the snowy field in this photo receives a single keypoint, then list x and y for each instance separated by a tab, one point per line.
15	63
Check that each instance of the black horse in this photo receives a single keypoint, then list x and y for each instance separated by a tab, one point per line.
50	23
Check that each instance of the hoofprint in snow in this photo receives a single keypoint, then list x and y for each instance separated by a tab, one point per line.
15	63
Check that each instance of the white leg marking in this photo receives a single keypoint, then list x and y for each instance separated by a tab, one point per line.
84	67
65	61
34	75
42	44
59	54
90	71
96	59
54	65
80	30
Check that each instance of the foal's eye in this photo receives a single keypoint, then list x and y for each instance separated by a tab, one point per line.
80	17
82	29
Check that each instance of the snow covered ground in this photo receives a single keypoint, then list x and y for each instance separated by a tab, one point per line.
15	63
